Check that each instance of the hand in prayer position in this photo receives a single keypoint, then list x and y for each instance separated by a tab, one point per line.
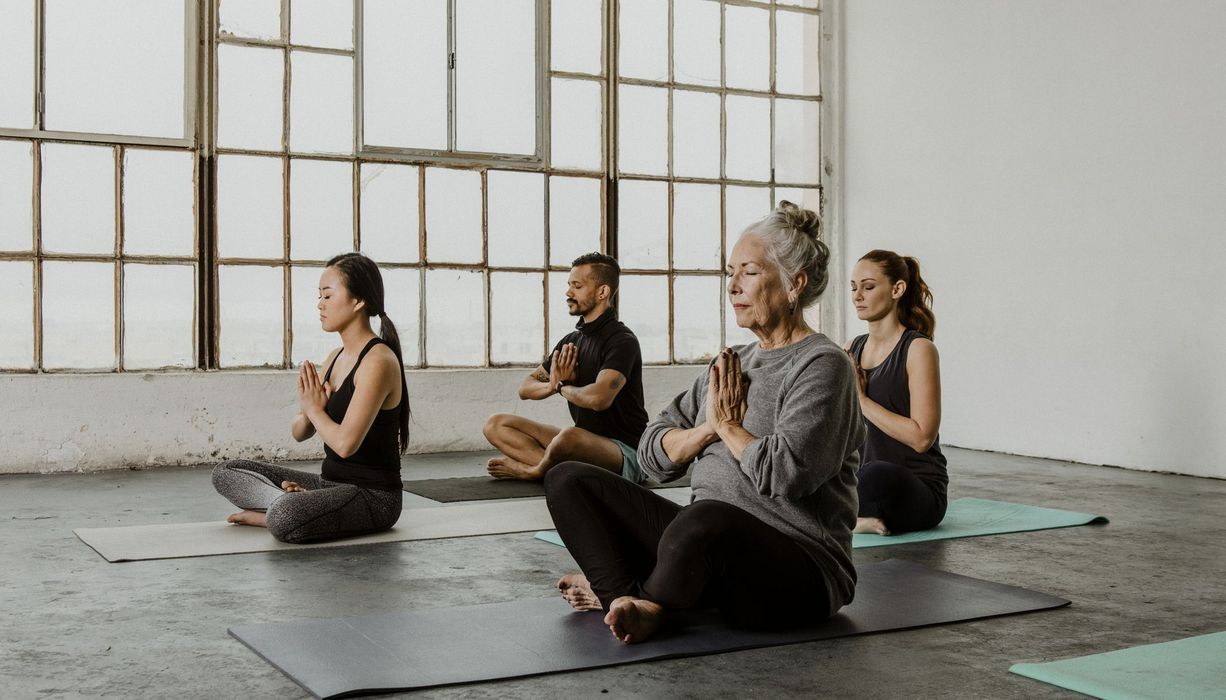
312	393
563	365
726	400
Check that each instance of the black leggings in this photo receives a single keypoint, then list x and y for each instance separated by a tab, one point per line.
630	541
899	498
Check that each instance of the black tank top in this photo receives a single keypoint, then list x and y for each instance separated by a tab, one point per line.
376	462
887	385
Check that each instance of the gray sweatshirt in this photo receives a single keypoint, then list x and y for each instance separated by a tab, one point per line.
799	473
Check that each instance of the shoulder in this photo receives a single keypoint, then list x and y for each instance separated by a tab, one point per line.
922	352
379	363
332	355
852	344
621	337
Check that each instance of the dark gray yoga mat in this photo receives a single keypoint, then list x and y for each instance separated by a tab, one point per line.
485	488
425	648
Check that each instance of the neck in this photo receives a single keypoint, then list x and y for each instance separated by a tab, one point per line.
885	328
596	312
356	335
790	329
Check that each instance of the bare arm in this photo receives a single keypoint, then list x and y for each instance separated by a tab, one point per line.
683	444
536	386
919	430
598	395
375	380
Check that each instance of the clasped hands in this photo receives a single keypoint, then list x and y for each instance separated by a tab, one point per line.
313	393
726	394
563	365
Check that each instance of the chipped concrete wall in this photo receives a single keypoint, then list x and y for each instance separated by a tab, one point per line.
64	422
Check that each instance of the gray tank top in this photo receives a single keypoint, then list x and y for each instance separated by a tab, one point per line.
887	385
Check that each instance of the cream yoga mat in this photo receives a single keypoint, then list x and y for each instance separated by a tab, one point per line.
171	541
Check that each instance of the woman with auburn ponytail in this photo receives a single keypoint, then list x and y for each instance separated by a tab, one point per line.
902	480
361	410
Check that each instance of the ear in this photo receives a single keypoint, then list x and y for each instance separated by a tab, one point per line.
799	284
602	292
900	288
359	305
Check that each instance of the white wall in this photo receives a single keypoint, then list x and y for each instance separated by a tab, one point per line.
1059	168
63	422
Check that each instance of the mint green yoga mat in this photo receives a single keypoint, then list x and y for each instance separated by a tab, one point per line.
1185	668
966	517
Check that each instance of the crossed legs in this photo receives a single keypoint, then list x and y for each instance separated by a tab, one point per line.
530	449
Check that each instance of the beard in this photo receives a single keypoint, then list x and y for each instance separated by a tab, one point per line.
576	308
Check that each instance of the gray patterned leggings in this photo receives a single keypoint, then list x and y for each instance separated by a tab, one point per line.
326	510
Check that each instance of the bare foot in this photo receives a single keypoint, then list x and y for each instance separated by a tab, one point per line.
577	591
873	526
633	619
507	468
249	517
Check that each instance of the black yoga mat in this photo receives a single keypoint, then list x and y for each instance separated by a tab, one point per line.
424	648
486	488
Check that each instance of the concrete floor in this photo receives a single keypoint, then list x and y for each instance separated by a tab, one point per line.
72	625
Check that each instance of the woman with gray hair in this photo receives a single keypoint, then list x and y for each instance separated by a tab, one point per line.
770	434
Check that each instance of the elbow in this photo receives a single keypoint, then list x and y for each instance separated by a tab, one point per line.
923	443
344	450
601	404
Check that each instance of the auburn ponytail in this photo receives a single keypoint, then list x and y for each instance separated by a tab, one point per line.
915	306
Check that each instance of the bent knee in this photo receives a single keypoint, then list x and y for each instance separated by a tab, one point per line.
222	471
702	521
567	477
569	443
495	424
880	475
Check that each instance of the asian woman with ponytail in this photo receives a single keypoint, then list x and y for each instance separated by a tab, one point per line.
903	478
360	408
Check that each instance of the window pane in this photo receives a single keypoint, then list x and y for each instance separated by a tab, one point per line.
78	315
321	106
326	23
747	47
574	218
78	204
575	127
517	317
402	297
796	51
749	138
250	207
575	36
696	230
321	209
390	221
455	318
733	334
17	64
643	307
560	320
516	218
642	130
696	42
252	316
159	196
807	197
453	216
16	195
495	76
796	141
17	314
249	97
404	98
695	134
643	40
116	72
743	206
800	3
159	319
257	19
310	341
696	303
642	224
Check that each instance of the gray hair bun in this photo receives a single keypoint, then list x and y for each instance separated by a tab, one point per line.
792	235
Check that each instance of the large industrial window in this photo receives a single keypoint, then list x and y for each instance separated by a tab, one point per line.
151	218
